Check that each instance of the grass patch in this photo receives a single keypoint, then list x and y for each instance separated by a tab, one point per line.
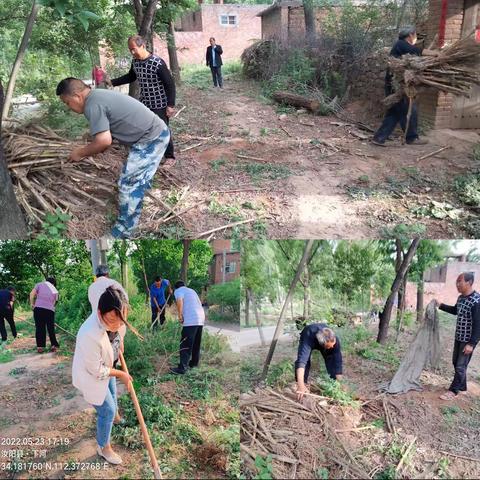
5	354
280	374
380	353
265	171
250	371
200	77
202	383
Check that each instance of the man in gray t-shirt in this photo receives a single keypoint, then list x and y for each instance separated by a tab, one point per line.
192	317
114	115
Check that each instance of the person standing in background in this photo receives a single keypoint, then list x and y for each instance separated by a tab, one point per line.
214	61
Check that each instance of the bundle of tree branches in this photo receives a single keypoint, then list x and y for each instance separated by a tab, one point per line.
257	59
46	181
454	70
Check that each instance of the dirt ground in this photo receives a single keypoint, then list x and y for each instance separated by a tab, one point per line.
243	158
47	424
444	431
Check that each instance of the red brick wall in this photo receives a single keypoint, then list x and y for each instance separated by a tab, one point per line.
272	25
436	108
191	45
216	275
445	292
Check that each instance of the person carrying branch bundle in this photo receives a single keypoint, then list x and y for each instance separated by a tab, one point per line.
157	87
114	115
467	332
92	369
398	113
43	298
317	336
192	317
7	300
158	300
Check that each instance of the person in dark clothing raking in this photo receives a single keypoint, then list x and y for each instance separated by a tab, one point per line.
467	332
157	86
214	61
317	336
7	299
405	45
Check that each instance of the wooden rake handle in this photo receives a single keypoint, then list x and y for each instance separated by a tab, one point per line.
146	437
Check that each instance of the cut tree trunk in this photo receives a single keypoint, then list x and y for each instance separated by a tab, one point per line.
387	309
306	291
172	53
19	58
279	329
12	221
424	351
247	308
297	101
184	269
420	288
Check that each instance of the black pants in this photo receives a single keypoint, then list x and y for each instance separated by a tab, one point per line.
161	320
190	347
44	320
329	365
7	314
460	362
217	76
398	114
162	113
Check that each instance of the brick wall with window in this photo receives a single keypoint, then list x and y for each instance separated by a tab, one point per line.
234	27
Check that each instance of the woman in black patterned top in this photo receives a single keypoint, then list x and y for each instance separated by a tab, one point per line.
467	332
157	87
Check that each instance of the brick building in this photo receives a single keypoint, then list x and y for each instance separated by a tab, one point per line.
225	265
440	282
234	27
452	20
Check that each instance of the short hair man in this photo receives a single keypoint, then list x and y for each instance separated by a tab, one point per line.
405	45
192	317
467	332
158	300
317	336
214	61
114	115
157	87
7	300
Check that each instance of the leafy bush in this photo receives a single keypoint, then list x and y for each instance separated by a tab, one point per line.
226	295
187	434
335	390
73	308
468	189
280	374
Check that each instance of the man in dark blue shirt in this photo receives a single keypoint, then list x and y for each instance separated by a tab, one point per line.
7	298
317	336
405	45
157	300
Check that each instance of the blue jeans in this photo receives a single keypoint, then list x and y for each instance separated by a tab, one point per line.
135	179
106	413
398	114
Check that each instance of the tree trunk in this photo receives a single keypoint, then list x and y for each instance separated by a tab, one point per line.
18	60
279	329
306	287
402	300
247	308
184	269
172	53
257	317
309	13
12	221
401	14
420	288
296	100
387	309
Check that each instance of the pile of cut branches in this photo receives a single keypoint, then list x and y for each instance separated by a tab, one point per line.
46	182
275	425
454	70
